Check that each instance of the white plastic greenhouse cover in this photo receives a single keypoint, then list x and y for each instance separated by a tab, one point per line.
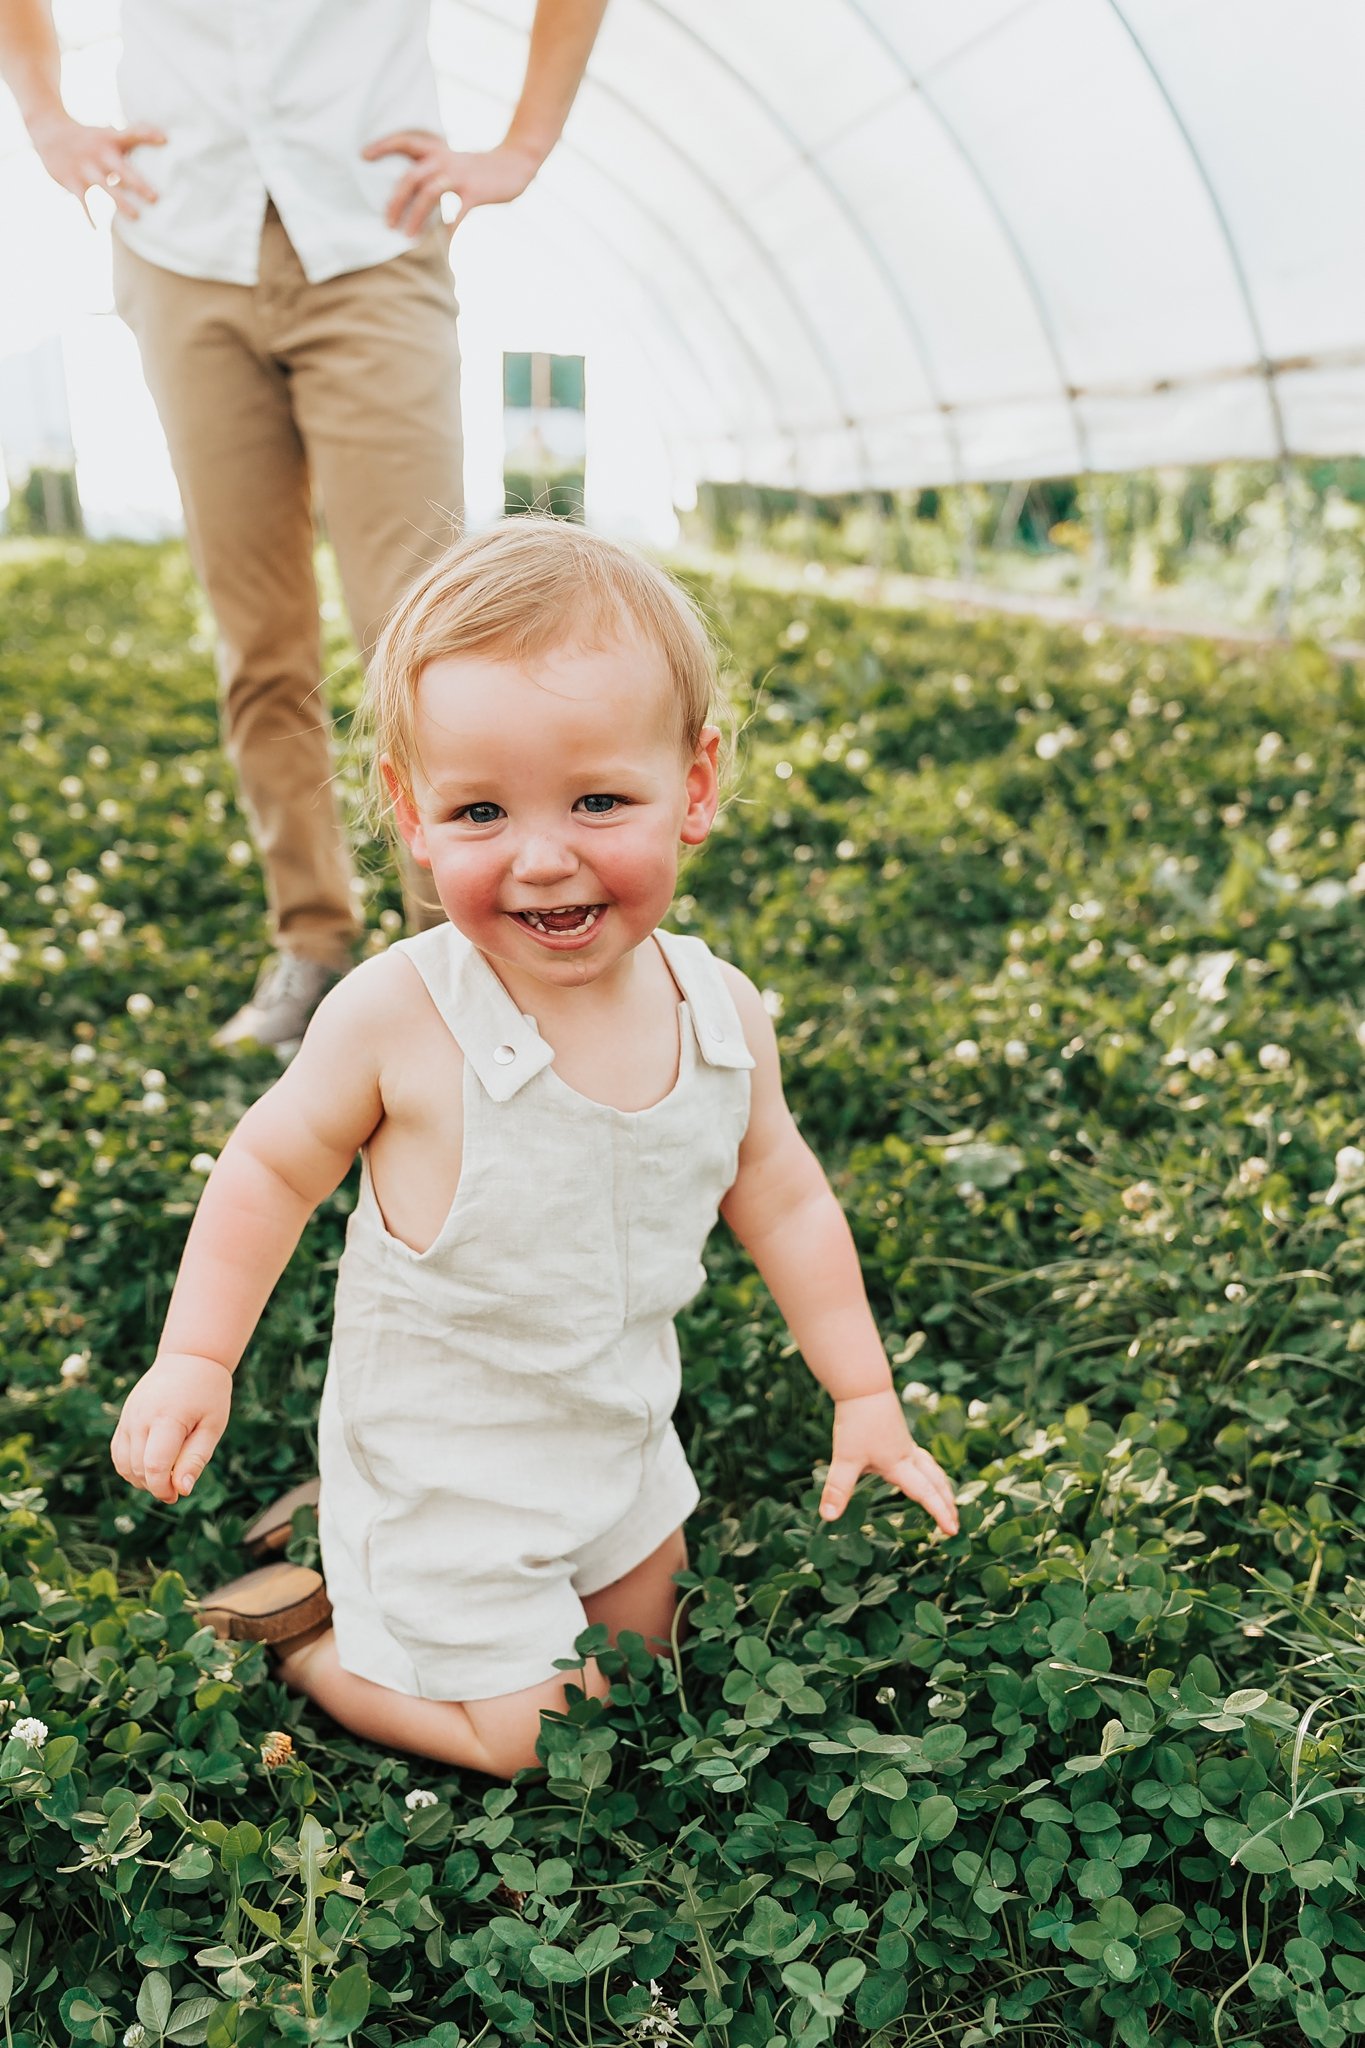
856	243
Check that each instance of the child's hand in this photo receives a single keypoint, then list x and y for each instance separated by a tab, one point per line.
870	1435
170	1423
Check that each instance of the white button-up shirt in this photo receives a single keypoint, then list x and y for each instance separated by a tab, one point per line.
272	98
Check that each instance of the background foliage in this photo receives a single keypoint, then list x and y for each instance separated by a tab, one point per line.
1250	545
1063	938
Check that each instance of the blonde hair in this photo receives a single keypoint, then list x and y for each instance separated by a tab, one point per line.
523	589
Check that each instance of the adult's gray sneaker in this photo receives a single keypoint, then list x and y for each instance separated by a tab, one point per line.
288	990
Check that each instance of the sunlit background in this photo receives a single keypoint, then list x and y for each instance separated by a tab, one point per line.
855	251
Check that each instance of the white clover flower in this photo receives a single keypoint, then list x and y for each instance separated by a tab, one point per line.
1274	1058
1138	1198
772	1002
656	2022
1049	745
30	1730
967	1052
419	1796
153	1102
139	1005
135	2036
98	757
1203	1061
1252	1172
886	1696
110	862
203	1162
977	1411
1234	1291
1267	747
153	1078
82	1054
915	1390
75	1368
40	870
239	854
53	958
124	1524
1016	1053
846	849
1349	1166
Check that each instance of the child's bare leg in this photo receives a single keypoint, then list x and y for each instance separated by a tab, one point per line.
497	1736
645	1599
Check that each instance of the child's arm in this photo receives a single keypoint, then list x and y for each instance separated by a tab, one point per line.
783	1210
291	1149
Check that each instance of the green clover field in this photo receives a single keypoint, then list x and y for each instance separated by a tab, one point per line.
1063	935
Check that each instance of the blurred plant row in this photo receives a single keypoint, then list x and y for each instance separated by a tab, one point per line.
1062	938
1251	545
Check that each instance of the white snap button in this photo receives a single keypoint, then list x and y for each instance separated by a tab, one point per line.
504	1055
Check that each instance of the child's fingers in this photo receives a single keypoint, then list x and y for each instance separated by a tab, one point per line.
924	1479
164	1440
121	1451
843	1476
198	1449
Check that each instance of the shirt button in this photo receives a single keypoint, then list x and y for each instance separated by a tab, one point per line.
504	1055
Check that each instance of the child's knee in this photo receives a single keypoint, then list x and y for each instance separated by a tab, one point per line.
508	1728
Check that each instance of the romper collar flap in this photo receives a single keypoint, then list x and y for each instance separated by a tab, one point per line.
715	1020
502	1046
501	1043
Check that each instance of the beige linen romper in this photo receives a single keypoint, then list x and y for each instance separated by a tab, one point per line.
495	1439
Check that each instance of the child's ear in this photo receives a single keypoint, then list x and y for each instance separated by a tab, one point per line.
405	814
703	788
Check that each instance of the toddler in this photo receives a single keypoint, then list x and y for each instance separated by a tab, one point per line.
553	1098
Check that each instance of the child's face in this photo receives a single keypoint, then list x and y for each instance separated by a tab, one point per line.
550	802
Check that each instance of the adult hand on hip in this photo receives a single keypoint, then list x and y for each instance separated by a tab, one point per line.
482	177
79	157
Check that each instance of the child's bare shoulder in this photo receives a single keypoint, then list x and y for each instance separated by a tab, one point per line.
377	1005
754	1017
747	999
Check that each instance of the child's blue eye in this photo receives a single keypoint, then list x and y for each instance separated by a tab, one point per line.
480	814
599	806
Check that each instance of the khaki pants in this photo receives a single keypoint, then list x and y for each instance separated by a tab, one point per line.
266	392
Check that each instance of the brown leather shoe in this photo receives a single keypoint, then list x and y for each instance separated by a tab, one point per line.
271	1605
269	1532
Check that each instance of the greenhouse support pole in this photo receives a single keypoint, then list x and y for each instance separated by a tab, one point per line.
966	559
1099	542
1284	597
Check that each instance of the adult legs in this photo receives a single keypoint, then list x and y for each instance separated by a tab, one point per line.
374	365
243	475
497	1736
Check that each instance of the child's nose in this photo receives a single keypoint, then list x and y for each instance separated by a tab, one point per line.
543	857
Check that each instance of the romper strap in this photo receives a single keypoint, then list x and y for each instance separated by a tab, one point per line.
501	1044
719	1033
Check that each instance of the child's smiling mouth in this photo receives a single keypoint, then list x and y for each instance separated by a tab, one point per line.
569	921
